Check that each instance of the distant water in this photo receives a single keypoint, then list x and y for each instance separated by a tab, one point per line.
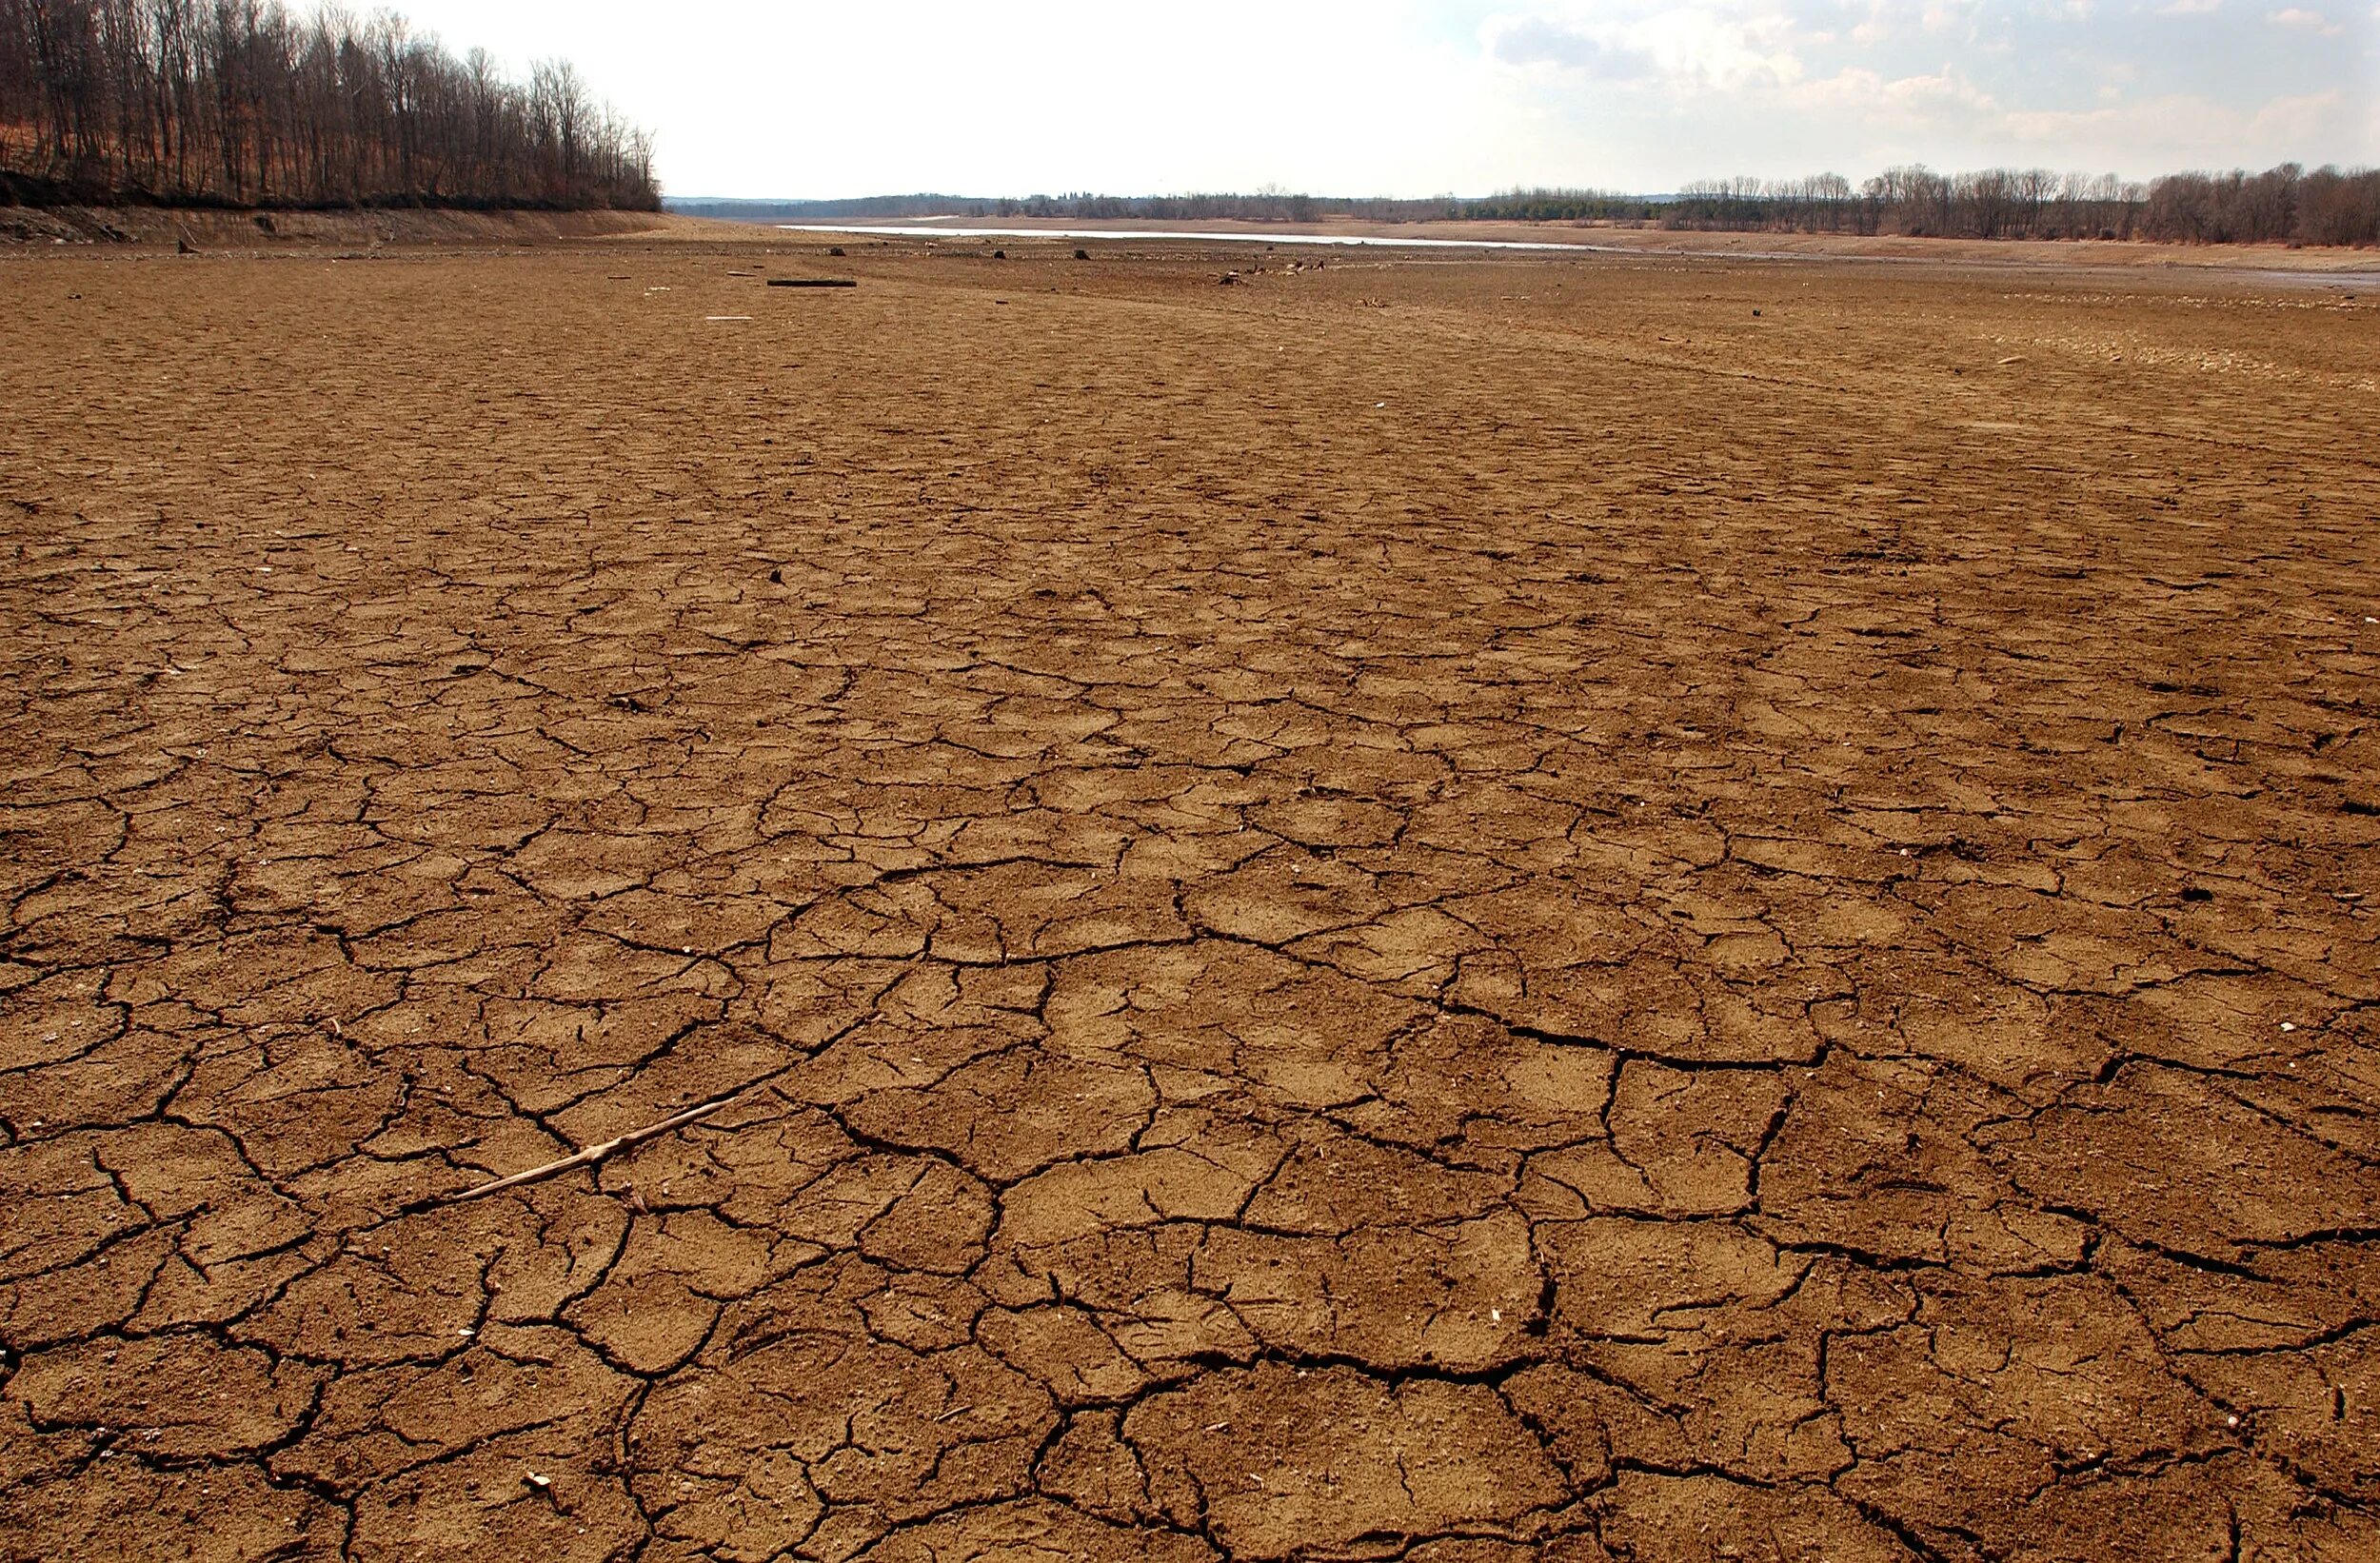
2355	281
1187	235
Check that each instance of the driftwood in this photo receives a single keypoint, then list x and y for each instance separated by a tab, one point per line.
812	282
594	1154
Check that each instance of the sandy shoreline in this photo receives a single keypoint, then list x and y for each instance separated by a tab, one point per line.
2080	253
32	230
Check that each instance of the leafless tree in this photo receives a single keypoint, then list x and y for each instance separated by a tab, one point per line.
238	102
2282	204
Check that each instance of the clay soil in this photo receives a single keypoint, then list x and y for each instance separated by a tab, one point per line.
1563	909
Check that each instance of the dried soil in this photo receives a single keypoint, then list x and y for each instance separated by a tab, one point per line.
1567	908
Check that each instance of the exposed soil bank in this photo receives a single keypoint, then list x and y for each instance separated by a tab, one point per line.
217	228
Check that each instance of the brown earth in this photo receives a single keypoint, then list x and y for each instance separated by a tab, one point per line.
1563	909
369	230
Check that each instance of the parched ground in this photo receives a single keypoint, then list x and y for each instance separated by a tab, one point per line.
1469	911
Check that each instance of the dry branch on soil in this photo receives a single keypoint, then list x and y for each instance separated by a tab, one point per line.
593	1155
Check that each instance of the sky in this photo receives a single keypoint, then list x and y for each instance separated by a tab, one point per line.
807	98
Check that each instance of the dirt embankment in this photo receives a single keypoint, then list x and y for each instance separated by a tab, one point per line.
224	229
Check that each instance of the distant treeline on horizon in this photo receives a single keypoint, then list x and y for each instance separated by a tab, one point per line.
239	102
2285	205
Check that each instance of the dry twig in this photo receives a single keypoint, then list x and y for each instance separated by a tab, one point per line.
593	1153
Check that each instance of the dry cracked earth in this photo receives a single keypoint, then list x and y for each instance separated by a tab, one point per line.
1464	911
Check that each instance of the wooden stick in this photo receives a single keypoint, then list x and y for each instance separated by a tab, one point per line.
594	1154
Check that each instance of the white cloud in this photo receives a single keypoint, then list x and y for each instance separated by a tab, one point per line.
1865	92
1708	46
2166	134
1538	40
2309	21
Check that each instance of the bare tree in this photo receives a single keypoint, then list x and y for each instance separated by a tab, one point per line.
237	102
2282	204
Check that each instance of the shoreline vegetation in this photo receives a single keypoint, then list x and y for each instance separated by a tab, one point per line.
2285	205
245	104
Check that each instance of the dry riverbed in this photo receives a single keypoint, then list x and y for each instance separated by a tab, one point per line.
1445	908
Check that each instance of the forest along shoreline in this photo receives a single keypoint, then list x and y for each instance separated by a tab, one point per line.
188	103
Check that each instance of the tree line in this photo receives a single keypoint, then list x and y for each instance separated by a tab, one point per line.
1914	200
2285	205
241	103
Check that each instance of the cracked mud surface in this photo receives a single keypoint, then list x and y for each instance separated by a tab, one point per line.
1461	911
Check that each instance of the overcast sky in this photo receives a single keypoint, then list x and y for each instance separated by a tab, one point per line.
1417	97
